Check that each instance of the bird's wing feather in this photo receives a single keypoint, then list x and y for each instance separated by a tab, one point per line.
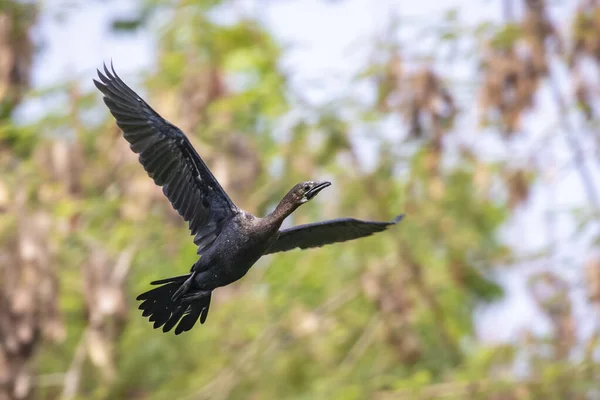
327	232
170	160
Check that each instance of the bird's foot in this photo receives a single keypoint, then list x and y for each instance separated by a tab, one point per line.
189	298
184	288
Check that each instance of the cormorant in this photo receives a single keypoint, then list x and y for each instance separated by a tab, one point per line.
229	239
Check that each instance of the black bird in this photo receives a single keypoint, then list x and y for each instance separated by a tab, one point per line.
229	239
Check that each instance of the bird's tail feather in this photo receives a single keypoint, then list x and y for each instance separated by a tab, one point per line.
157	304
180	279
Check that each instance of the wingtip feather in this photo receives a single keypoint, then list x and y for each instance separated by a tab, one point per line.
112	67
398	219
107	72
99	85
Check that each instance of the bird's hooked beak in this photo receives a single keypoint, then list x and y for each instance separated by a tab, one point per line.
316	189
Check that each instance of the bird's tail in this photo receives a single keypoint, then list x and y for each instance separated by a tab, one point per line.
159	306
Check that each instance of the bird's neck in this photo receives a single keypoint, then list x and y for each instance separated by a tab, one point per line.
282	211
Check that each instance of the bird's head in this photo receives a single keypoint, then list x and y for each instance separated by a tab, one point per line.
298	195
305	191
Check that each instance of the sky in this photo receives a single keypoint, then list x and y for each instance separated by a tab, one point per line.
326	44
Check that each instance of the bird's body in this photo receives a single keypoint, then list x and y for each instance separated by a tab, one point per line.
229	239
243	240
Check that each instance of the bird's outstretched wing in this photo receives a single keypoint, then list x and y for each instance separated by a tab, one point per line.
170	160
327	232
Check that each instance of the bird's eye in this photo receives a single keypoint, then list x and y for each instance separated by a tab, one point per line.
306	188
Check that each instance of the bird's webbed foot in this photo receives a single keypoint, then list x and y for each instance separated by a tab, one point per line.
184	288
190	298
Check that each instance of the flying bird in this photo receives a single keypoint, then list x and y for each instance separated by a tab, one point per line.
229	239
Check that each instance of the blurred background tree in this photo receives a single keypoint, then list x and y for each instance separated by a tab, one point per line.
482	128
